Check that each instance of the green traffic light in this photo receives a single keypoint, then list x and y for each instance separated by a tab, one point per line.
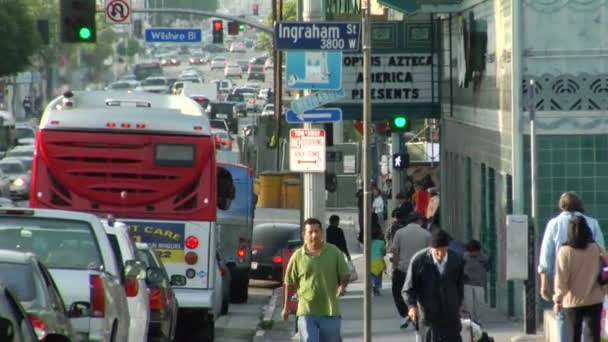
400	122
84	33
241	27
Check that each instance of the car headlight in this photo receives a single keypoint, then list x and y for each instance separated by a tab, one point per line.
19	182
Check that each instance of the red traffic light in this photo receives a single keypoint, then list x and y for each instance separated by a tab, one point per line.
217	25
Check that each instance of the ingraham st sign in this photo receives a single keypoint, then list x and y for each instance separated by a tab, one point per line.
395	78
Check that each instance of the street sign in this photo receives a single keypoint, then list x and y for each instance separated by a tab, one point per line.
320	70
315	100
173	35
340	36
307	150
118	11
315	115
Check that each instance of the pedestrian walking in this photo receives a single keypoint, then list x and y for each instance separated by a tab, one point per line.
335	235
434	290
421	198
378	206
406	243
556	234
476	266
404	205
432	210
319	274
378	251
578	294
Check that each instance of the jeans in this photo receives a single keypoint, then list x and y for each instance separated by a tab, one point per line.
590	314
398	281
377	281
564	331
319	328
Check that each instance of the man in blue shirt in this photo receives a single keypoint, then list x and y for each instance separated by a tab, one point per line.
556	234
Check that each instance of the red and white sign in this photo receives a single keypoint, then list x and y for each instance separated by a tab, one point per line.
118	11
307	150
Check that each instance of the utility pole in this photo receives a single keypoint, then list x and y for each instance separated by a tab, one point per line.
367	115
313	185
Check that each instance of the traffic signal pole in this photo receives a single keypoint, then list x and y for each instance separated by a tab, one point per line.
313	185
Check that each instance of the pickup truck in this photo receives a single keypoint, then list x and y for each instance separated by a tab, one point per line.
78	254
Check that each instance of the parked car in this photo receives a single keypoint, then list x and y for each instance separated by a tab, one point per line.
132	277
224	274
256	72
223	141
268	242
163	303
36	291
218	63
18	176
14	323
232	70
78	254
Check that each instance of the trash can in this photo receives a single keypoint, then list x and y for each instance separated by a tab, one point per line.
291	194
270	190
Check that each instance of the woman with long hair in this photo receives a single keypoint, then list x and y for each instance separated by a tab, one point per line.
577	290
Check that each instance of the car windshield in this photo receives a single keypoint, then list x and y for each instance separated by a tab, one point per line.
59	243
24	132
217	124
12	168
20	279
154	81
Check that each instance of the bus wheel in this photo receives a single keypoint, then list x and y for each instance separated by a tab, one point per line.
239	286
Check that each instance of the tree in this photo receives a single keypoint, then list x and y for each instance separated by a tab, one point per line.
290	13
18	37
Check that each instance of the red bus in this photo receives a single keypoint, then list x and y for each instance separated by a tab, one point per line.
148	160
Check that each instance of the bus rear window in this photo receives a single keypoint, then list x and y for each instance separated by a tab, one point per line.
174	154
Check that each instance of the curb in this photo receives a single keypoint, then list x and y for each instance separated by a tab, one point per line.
267	314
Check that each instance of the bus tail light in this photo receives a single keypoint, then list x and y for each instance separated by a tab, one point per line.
157	299
54	122
111	125
191	258
125	125
131	286
277	259
191	242
140	125
198	128
98	300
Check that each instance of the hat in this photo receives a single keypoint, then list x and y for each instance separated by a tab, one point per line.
440	238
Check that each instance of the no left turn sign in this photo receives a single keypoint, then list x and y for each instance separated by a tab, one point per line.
118	11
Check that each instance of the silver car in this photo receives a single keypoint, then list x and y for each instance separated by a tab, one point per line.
35	288
18	176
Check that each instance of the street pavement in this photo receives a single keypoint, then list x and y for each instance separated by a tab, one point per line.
385	320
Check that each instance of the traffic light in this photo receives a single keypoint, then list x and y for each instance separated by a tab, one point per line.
401	161
77	23
256	9
233	28
400	124
218	32
137	28
241	27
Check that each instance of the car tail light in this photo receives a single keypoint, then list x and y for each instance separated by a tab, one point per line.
157	299
277	259
222	272
251	101
191	242
39	327
250	169
241	252
98	300
191	258
228	142
131	286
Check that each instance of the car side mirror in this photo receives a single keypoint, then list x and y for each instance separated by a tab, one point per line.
178	280
7	329
135	269
79	309
154	276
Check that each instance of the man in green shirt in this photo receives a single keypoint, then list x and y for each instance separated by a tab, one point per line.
319	273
